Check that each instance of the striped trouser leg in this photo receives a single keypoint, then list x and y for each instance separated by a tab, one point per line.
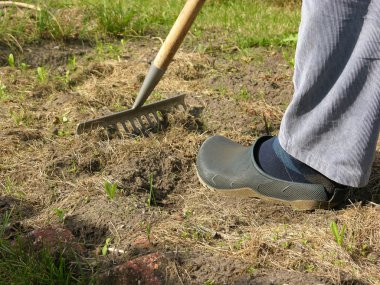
332	123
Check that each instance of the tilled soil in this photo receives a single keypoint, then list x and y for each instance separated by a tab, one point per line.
161	217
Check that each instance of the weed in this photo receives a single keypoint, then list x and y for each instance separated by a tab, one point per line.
148	231
309	267
41	74
289	56
71	66
156	96
243	94
3	93
60	214
73	168
23	66
11	60
111	189
187	214
209	282
72	63
63	133
339	235
185	234
241	243
151	197
8	187
108	50
290	40
105	246
251	270
67	77
286	244
20	117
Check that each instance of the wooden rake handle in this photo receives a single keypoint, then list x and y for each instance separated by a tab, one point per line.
178	33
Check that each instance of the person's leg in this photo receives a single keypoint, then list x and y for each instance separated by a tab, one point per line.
332	123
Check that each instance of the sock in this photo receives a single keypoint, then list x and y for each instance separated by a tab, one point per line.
275	161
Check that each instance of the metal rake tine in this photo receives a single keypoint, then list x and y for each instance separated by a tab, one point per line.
151	124
182	105
113	127
141	123
151	112
135	129
156	117
124	127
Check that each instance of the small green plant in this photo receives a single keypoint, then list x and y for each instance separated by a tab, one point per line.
72	63
8	187
290	40
60	214
19	117
209	282
111	189
243	94
73	168
23	66
105	246
3	93
251	270
67	77
148	231
309	267
286	244
187	214
151	197
11	60
41	74
339	235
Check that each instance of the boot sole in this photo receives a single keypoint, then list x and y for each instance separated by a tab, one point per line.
299	205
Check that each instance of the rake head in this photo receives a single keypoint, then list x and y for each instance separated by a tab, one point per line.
135	121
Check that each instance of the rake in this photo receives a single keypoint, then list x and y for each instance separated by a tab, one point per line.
142	118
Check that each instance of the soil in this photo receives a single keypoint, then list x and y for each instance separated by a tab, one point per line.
200	238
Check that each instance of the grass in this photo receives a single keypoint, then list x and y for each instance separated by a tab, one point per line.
151	198
20	263
241	23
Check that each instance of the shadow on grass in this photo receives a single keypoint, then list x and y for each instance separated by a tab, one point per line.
86	233
14	210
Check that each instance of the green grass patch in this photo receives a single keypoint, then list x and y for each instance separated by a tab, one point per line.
21	263
241	23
